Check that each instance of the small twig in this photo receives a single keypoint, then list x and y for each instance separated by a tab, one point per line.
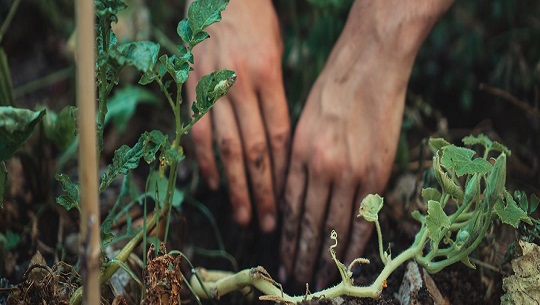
512	99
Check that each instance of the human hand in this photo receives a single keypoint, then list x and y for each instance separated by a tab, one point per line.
346	139
250	125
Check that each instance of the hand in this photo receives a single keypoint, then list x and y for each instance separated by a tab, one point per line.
250	125
345	142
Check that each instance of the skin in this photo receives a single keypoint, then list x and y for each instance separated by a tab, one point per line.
345	142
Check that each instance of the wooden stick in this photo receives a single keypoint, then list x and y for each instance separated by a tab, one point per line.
86	102
512	99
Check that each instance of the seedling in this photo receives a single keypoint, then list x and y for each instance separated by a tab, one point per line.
458	216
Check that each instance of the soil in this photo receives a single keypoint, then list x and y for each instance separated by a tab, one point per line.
40	226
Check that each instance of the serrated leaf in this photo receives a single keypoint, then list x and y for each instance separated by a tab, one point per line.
122	105
436	221
158	185
139	54
460	159
178	66
418	216
61	128
431	194
203	13
126	158
211	87
510	213
3	182
496	146
479	139
71	198
437	143
106	235
370	207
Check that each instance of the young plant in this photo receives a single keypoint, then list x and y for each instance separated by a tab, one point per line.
458	216
170	72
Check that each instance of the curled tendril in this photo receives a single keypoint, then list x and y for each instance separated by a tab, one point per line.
346	275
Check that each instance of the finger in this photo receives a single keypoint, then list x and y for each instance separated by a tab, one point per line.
292	209
309	242
338	219
276	119
230	151
202	138
360	232
256	153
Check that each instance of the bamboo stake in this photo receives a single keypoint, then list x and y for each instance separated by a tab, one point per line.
86	102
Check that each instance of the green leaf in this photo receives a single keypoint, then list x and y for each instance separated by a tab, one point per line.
184	31
106	235
496	180
436	221
437	143
479	139
3	182
460	159
139	54
211	87
178	66
534	203
431	194
370	207
126	158
201	14
71	198
510	213
158	185
496	146
61	128
472	189
122	105
16	126
447	184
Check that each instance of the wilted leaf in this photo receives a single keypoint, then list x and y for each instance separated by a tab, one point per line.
436	221
122	105
71	198
510	213
16	126
460	159
370	207
61	128
524	286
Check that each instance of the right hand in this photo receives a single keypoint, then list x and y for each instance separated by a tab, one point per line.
250	125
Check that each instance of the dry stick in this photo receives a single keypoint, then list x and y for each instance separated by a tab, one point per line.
86	101
512	99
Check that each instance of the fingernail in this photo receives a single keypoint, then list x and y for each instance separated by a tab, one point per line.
282	274
213	183
268	223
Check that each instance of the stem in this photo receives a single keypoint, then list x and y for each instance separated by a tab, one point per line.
379	237
167	95
88	173
43	82
9	18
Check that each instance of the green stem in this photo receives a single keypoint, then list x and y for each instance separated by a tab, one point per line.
9	18
167	95
379	237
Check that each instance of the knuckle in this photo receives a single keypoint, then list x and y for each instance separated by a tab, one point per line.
229	149
255	153
279	140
